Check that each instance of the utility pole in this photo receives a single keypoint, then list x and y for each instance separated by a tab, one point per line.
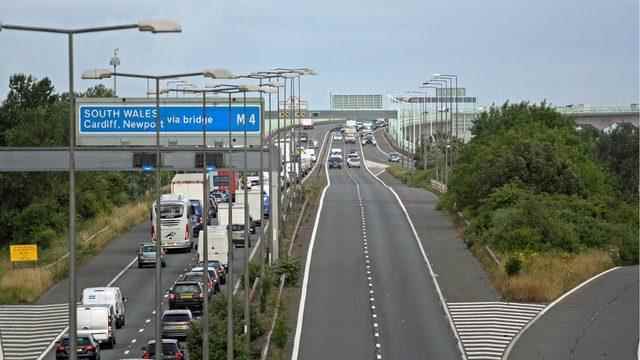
115	62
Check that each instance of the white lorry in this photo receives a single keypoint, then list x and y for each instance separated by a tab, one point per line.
253	197
307	123
189	185
350	123
218	245
237	221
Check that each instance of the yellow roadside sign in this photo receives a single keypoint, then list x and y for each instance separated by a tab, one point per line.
24	252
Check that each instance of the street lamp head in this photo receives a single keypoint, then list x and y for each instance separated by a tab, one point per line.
268	89
218	74
307	71
159	26
97	74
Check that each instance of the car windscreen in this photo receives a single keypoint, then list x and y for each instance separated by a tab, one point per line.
167	348
80	341
186	288
175	317
149	249
171	211
192	277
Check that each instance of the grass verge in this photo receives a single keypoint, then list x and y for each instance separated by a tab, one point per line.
546	276
20	285
541	277
414	178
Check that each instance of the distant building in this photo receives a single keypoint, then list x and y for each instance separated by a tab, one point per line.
357	102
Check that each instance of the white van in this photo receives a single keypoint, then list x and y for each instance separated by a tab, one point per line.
96	321
218	242
175	221
107	296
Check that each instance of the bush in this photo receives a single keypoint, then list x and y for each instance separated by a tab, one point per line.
513	266
280	331
290	266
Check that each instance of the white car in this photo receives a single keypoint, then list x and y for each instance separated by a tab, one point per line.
337	137
335	151
353	161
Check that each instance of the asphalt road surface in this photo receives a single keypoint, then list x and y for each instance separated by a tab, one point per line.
598	321
338	320
137	285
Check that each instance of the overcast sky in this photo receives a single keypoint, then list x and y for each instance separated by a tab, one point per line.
565	51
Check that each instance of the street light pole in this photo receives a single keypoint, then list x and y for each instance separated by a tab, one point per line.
155	27
99	74
115	62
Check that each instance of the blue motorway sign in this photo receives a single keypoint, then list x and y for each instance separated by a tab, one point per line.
140	119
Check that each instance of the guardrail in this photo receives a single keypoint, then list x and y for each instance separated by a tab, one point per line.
633	108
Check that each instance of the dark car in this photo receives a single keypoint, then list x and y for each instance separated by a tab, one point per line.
176	323
221	269
197	276
171	350
196	216
394	157
335	163
186	295
237	234
86	348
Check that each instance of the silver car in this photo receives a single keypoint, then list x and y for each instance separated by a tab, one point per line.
176	323
147	255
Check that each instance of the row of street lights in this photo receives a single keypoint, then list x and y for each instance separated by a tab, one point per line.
445	136
275	80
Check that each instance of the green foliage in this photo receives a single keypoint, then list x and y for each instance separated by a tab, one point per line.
280	331
290	266
529	180
35	205
619	150
513	266
218	331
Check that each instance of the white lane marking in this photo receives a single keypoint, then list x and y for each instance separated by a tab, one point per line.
305	282
66	329
552	304
122	272
489	330
424	256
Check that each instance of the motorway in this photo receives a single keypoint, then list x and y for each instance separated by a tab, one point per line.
118	260
598	321
393	310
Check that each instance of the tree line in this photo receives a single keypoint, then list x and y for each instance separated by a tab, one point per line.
531	180
35	204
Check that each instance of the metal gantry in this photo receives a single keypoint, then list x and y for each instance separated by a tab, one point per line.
149	26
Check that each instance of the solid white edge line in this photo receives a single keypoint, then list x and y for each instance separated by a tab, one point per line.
122	272
66	329
236	286
548	307
424	255
307	266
